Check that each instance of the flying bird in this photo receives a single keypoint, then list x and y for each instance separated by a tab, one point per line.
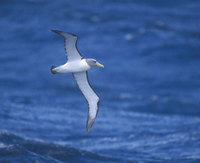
78	66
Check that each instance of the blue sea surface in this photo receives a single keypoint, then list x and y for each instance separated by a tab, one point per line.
149	89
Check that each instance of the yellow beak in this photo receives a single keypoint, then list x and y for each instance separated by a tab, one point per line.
100	65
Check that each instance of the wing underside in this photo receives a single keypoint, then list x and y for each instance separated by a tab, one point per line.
70	43
89	94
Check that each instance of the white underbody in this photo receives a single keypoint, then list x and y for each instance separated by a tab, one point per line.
73	66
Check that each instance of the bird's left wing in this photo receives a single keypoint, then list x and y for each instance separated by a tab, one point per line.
89	94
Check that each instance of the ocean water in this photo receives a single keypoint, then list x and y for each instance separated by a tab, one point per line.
149	89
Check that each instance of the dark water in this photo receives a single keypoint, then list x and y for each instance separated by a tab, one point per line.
149	88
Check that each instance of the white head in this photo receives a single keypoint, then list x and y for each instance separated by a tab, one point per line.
93	62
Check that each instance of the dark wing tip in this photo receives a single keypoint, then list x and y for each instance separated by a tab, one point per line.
58	32
90	122
61	33
53	30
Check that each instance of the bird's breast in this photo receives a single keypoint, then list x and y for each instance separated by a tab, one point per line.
77	66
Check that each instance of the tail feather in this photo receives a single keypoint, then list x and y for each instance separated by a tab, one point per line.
52	69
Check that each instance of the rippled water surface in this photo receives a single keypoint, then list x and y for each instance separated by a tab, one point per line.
149	89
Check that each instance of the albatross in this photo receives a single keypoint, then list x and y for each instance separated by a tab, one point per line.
78	66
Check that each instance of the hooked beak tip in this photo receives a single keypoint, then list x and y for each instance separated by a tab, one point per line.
100	65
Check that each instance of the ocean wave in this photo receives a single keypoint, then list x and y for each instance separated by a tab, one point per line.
15	148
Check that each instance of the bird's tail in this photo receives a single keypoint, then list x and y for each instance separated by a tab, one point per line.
53	71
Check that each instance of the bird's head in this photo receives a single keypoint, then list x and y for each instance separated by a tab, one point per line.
93	62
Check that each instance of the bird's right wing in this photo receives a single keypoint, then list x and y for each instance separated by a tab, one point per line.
89	94
70	41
